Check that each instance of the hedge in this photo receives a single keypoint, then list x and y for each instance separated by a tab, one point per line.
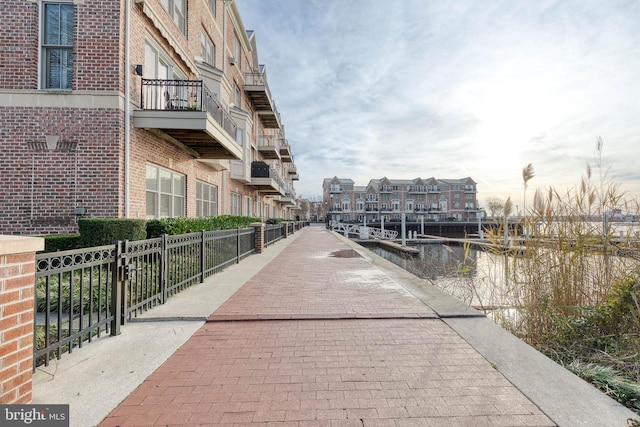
61	242
181	225
105	231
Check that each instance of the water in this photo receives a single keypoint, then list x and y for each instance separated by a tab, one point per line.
499	282
479	279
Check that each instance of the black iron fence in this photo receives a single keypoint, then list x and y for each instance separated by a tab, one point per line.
273	233
85	293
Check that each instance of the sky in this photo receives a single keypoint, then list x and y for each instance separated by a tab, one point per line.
455	88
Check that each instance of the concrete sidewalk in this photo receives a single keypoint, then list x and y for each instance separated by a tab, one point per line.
318	331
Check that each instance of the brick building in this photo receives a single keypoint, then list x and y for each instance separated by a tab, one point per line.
432	199
135	108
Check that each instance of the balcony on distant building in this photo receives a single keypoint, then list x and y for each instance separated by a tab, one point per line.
190	114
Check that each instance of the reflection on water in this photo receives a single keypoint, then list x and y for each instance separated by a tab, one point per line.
493	281
480	279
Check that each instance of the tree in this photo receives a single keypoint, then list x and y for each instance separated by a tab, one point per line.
495	205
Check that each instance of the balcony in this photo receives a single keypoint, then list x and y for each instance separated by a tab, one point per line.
293	172
417	190
470	189
268	147
289	199
266	179
285	151
189	113
258	91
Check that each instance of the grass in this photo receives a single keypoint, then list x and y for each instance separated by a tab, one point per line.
609	381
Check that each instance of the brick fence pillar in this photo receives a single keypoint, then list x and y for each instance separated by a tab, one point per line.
259	226
286	230
17	288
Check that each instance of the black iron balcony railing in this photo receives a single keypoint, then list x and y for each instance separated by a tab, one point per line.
185	95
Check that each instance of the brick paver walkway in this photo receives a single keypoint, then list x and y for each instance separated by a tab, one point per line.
316	339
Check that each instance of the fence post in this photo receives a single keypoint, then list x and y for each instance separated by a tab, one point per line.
164	269
118	304
17	286
237	245
202	256
259	227
286	230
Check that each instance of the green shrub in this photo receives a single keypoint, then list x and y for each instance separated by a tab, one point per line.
181	225
61	242
105	231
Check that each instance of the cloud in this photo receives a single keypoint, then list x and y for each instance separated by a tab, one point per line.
371	88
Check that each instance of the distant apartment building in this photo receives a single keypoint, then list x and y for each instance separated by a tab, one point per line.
138	109
430	199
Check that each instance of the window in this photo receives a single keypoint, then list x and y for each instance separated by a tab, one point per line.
207	49
236	204
248	205
237	97
237	52
177	9
57	45
165	192
240	136
212	6
206	199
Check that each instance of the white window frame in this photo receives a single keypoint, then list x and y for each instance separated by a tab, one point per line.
175	194
236	204
177	10
48	46
207	49
248	205
237	52
206	199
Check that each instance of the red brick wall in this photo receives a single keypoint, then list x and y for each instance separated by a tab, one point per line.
16	320
89	178
19	45
99	46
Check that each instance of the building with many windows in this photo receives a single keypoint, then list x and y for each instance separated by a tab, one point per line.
430	199
138	109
